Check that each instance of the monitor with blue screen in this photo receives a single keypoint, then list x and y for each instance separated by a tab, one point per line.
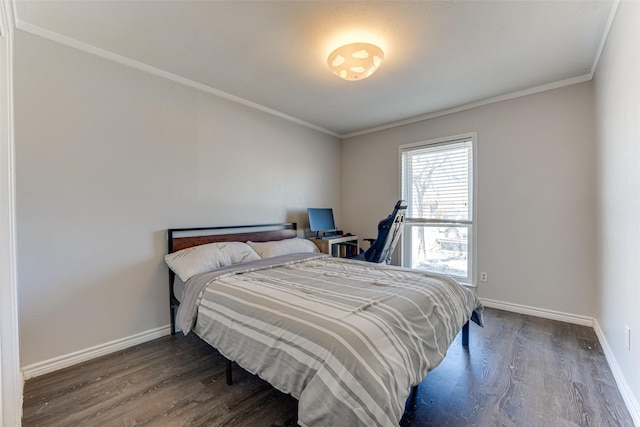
321	219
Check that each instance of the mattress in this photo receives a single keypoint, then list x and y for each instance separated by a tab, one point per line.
348	339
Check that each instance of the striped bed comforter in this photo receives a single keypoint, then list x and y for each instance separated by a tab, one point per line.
348	339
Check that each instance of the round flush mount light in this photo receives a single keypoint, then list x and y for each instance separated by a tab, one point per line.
355	61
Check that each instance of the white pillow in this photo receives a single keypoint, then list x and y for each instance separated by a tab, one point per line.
238	252
283	247
199	259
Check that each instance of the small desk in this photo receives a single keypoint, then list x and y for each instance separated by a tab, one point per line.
329	246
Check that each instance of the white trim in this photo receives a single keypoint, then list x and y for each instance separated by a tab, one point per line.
487	101
627	395
80	356
539	312
508	96
605	35
473	136
68	41
11	382
85	47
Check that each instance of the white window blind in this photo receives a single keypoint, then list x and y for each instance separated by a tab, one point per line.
437	182
441	178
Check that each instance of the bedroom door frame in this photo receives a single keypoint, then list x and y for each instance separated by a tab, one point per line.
11	381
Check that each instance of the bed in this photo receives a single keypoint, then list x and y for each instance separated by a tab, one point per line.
348	339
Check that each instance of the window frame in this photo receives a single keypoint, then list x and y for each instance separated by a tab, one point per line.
473	224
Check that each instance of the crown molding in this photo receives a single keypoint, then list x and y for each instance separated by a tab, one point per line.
106	54
71	42
506	97
605	35
487	101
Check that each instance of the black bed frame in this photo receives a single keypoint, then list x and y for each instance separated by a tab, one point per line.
182	238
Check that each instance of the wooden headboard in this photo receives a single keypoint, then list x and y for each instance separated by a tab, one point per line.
182	238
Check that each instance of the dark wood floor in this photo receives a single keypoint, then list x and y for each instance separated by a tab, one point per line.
519	371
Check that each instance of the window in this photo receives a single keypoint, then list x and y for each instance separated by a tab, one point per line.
438	184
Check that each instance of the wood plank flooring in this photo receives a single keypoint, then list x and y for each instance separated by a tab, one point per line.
518	371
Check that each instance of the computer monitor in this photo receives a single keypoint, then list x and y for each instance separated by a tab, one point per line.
321	219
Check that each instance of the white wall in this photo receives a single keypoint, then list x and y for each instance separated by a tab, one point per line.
108	158
536	207
617	95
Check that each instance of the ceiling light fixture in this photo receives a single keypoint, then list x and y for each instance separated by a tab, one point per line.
355	61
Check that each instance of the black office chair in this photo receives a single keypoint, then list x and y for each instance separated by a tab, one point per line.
389	231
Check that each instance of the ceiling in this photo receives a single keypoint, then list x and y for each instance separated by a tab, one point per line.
439	55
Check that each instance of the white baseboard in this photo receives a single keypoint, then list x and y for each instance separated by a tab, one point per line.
621	382
71	359
630	401
64	361
539	312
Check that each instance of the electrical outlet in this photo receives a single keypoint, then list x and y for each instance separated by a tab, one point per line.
484	276
627	336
